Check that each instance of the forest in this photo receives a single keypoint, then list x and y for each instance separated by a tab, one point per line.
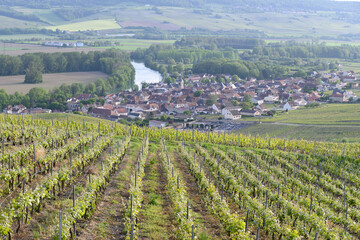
301	50
243	69
106	61
220	42
113	62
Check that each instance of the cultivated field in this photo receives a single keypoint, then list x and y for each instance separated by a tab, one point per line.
123	44
101	180
19	49
274	24
215	17
14	84
88	25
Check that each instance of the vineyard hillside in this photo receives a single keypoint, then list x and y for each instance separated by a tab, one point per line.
65	176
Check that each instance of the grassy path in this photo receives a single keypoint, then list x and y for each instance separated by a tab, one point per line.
155	217
106	222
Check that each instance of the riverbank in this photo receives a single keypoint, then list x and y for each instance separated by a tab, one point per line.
144	74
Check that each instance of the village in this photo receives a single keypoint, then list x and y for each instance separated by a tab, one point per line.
195	98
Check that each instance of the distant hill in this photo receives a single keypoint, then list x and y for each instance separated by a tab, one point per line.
267	5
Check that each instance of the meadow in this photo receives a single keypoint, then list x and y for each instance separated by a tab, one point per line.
331	122
13	84
343	133
329	114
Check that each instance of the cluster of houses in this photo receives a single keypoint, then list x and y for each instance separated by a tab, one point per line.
188	98
184	101
21	109
63	44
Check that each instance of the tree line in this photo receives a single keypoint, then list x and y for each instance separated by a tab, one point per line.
74	13
105	61
168	54
8	12
243	69
306	51
220	42
167	59
113	62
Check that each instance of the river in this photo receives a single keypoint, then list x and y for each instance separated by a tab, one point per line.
144	74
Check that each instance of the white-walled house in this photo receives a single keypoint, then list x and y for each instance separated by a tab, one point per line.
226	110
216	107
232	115
288	107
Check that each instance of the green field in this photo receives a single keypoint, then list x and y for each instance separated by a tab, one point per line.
130	44
332	122
23	37
88	25
330	114
318	133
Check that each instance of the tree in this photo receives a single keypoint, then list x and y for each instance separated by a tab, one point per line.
34	72
235	78
180	67
38	97
90	88
198	93
144	85
171	61
235	102
247	102
4	97
187	112
164	117
135	88
169	80
301	73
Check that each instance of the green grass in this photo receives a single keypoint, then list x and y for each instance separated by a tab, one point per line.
103	24
329	114
331	122
323	133
103	229
154	222
22	37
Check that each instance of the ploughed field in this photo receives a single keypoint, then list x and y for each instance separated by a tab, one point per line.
13	84
75	177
